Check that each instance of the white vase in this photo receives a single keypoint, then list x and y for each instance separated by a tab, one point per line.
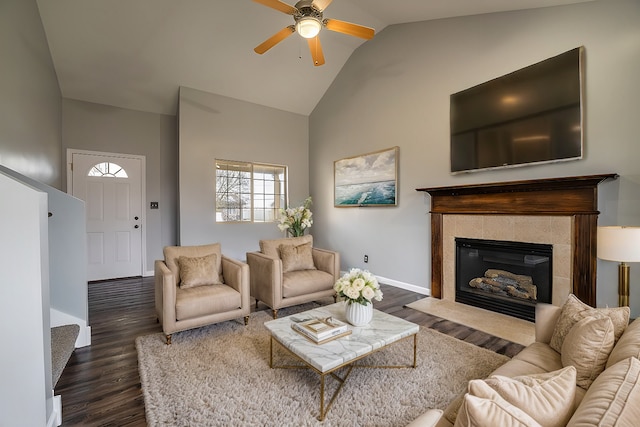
358	314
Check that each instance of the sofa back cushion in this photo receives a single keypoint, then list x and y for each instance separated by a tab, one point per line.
271	247
613	399
172	253
587	347
575	310
628	345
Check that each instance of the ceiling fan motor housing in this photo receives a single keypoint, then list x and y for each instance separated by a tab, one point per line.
306	9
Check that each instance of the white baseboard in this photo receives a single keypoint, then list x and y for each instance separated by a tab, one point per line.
58	318
55	419
401	285
148	273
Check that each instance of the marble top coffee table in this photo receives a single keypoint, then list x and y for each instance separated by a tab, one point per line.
383	330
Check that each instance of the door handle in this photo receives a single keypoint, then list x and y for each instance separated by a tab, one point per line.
136	226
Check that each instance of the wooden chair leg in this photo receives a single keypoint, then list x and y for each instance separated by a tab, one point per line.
275	313
335	298
246	320
168	337
256	304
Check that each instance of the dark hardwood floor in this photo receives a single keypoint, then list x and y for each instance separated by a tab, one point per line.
100	385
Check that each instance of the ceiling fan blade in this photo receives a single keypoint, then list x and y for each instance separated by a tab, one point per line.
274	39
349	28
316	51
321	4
278	5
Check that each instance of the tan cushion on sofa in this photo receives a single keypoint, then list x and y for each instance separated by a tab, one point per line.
613	398
587	347
172	253
575	310
270	247
491	410
296	257
548	398
628	345
540	355
198	271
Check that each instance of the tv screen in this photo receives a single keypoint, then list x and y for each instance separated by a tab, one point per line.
533	115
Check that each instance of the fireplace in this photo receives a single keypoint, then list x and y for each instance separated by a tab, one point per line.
574	198
503	276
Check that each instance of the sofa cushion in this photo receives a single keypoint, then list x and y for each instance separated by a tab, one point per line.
548	398
270	247
540	355
628	345
198	271
305	282
574	310
205	300
296	257
587	347
613	398
172	253
491	410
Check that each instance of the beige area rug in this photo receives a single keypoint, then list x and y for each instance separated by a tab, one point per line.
502	326
219	376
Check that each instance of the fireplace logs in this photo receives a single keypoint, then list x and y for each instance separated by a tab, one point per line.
506	283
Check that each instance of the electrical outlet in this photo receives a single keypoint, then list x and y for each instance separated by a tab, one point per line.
366	258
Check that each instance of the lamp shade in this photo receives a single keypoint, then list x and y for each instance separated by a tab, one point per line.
308	27
618	243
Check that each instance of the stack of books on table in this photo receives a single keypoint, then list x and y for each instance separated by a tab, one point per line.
320	331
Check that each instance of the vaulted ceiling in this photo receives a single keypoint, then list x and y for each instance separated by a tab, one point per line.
137	53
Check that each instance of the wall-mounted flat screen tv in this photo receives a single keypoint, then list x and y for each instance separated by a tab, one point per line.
533	115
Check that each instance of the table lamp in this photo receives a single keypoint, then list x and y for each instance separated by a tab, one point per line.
622	244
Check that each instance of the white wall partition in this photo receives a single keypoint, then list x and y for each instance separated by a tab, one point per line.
26	397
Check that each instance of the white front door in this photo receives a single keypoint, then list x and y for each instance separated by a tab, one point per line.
111	187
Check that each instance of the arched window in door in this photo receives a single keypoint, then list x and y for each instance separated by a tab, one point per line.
108	169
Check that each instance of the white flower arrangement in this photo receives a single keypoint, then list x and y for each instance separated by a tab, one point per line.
358	286
296	220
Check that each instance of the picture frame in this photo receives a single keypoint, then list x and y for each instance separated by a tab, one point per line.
367	180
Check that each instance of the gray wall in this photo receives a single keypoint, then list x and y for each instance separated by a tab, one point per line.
395	89
213	126
96	127
29	95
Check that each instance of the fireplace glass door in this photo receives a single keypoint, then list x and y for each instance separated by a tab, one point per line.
506	277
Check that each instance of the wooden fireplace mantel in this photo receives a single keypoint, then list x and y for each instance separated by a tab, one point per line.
568	196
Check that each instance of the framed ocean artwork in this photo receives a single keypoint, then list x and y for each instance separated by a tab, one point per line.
367	180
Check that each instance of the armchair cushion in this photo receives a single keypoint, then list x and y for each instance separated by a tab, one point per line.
270	247
198	271
205	300
305	282
172	253
296	257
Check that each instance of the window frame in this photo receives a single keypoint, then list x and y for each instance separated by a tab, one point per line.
251	169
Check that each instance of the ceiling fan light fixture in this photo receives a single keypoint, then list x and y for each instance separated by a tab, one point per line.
308	27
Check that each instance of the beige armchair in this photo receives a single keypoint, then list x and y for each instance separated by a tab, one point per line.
291	271
197	286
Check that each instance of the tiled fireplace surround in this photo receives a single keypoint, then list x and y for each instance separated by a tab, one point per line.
557	211
553	230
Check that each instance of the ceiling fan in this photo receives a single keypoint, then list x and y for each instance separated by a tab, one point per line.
308	18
